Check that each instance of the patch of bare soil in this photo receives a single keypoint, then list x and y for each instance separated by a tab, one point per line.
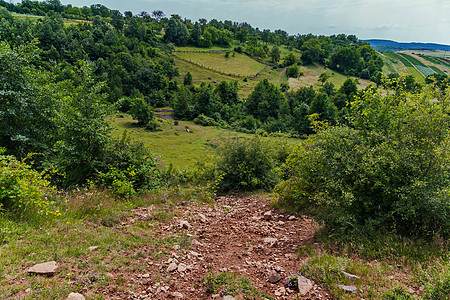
241	235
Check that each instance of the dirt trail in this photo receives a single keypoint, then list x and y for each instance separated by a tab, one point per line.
242	235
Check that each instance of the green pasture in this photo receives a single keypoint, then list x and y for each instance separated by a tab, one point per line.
191	48
175	145
24	16
201	74
311	75
237	65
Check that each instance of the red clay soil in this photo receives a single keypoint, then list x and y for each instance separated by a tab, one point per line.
226	237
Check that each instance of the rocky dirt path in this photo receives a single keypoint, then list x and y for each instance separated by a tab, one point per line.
237	235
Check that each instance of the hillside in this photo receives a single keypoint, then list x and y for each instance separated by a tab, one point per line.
393	46
152	157
415	64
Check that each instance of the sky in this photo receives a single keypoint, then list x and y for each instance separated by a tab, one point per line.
399	20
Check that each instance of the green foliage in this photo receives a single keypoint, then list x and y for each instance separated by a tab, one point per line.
23	191
141	111
292	71
245	165
231	284
385	173
187	79
398	293
264	101
275	54
128	167
290	59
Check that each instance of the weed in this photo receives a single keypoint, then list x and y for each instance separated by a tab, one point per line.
232	284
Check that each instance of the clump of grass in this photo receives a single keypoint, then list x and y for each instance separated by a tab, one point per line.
232	284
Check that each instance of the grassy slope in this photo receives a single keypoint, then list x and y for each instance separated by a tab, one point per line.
239	65
200	74
311	77
174	145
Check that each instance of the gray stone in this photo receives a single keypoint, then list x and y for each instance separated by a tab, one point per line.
182	267
93	248
304	285
75	296
228	297
202	218
352	277
47	268
274	277
184	225
172	267
267	215
348	288
178	295
271	241
197	243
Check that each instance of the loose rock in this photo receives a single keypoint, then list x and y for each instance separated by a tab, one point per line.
304	285
182	267
172	267
274	277
348	288
75	296
93	248
184	225
228	297
270	241
267	215
178	295
47	268
352	277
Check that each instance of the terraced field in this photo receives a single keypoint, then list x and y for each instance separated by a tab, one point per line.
403	65
236	64
200	74
425	70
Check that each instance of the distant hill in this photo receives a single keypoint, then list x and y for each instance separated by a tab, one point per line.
388	45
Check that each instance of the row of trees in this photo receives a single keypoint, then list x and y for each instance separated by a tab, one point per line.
268	107
126	59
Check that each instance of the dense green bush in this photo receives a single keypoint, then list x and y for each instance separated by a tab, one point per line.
245	165
389	172
23	191
128	167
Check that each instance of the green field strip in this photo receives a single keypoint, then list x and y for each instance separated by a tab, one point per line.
388	67
413	60
444	62
434	60
437	70
416	74
404	61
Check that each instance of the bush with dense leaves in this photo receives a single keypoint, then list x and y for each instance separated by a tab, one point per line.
245	165
388	172
23	191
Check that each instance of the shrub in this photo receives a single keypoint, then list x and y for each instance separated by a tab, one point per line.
387	173
141	111
128	167
245	165
23	191
205	121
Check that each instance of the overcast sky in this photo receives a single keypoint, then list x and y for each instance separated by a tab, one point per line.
399	20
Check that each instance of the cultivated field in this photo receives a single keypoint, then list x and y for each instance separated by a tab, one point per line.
238	65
